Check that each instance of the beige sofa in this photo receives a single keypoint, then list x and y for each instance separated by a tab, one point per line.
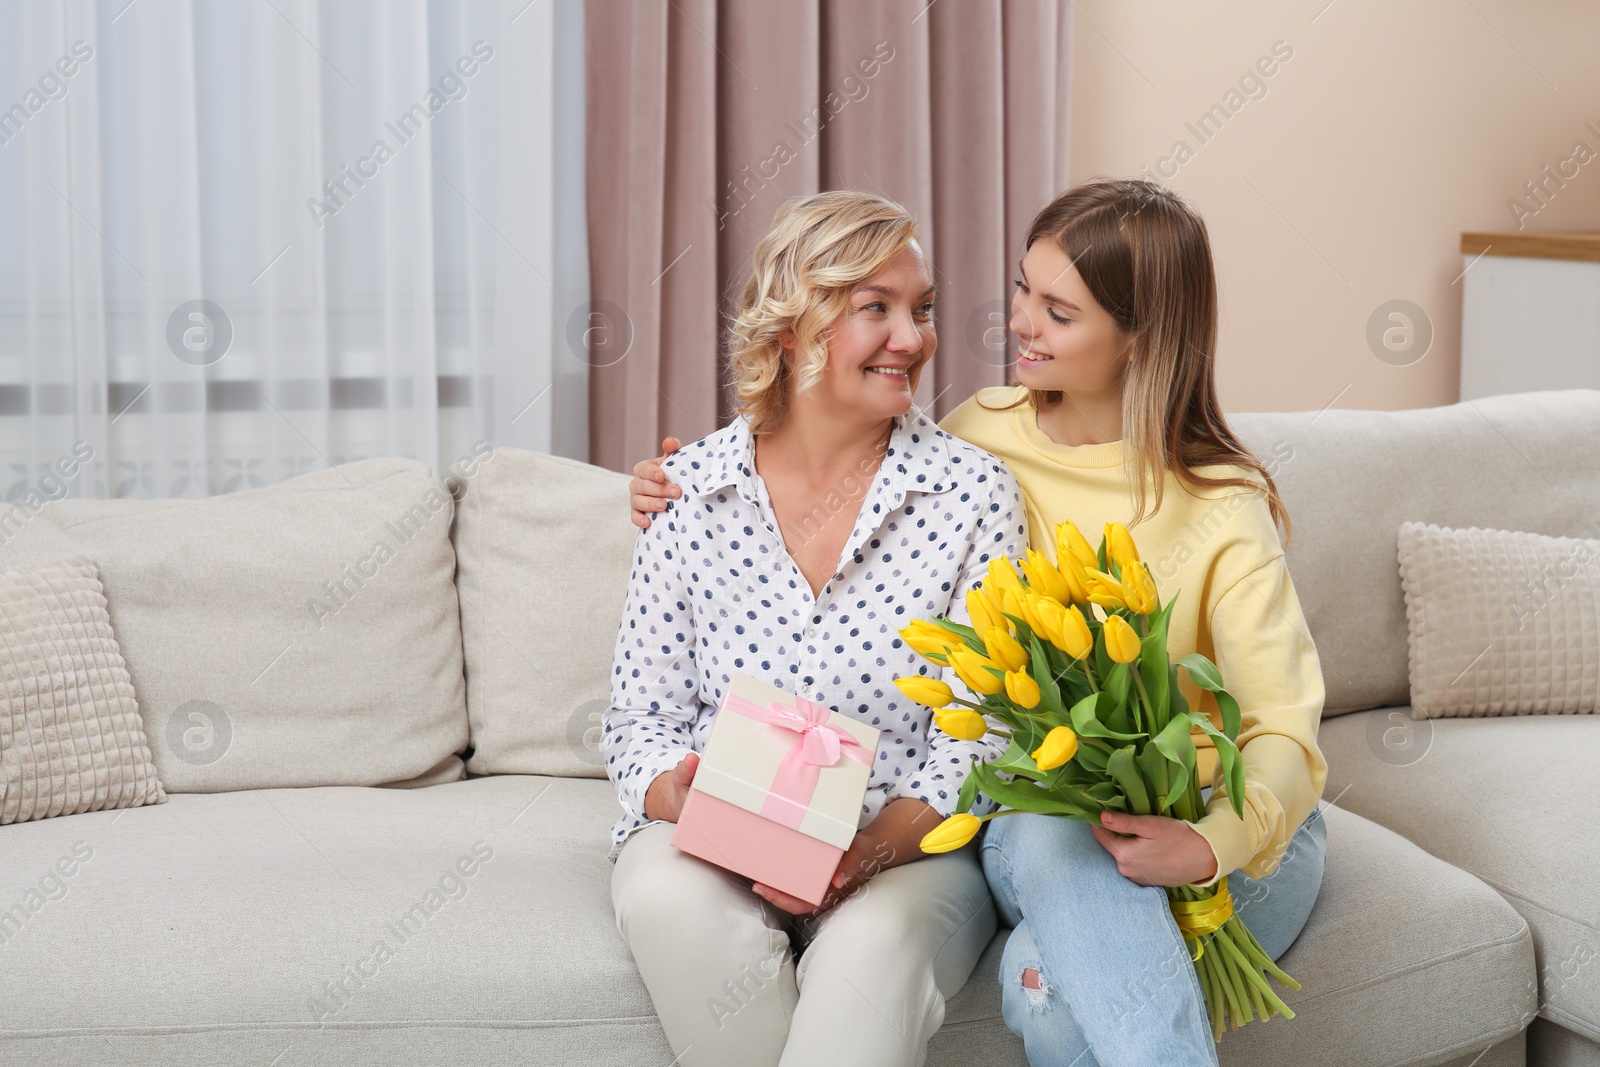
278	909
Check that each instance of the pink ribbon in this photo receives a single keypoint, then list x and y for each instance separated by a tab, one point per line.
819	745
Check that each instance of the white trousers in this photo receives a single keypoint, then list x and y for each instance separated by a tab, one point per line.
873	972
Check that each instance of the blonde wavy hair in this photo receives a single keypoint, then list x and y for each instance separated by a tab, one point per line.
817	250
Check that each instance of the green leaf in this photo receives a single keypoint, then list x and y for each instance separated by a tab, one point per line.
1118	683
1039	664
1090	758
1153	665
1126	775
1028	733
969	789
1102	659
1103	792
1202	670
1206	676
1025	796
966	632
1120	717
1015	760
1086	720
1228	757
1074	686
1176	743
1180	703
1153	765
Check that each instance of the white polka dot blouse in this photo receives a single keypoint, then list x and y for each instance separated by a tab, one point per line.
714	591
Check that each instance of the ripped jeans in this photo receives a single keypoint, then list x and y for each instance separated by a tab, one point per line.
1114	986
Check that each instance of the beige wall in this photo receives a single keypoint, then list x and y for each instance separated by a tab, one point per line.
1390	130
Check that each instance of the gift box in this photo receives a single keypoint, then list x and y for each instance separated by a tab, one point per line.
777	795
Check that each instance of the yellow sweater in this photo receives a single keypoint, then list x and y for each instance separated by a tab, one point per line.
1237	607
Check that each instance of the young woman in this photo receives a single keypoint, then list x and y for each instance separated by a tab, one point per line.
1115	417
813	527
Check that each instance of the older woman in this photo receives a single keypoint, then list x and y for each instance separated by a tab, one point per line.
829	514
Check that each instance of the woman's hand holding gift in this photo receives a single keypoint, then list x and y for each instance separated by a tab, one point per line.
887	841
664	798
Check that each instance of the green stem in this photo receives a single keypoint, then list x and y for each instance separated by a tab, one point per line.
1214	998
1258	955
1144	698
1088	672
1249	974
1228	988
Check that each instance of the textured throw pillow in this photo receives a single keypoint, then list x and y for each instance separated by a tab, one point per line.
1500	623
70	735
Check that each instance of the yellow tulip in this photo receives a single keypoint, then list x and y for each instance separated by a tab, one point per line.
1051	614
984	612
969	667
1058	746
925	690
1022	689
1074	577
1120	548
1043	578
1002	576
928	638
1070	542
1076	639
951	834
1036	611
1011	601
1122	641
960	723
1106	591
1141	589
1004	649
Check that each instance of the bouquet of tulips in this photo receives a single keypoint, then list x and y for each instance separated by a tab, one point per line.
1095	720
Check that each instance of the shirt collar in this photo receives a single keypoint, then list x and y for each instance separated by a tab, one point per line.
917	460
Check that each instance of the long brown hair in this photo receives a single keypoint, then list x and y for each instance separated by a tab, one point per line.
1143	253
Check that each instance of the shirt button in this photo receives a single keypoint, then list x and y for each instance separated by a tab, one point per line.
811	631
805	687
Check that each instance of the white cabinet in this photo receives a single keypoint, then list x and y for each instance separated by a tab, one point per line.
1530	312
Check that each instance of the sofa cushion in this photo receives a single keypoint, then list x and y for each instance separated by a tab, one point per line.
464	923
543	549
305	633
1396	935
70	735
1510	799
1350	478
471	922
1500	622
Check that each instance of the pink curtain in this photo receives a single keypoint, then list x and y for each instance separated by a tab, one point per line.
705	115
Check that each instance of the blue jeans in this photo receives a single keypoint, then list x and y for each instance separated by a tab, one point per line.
1115	986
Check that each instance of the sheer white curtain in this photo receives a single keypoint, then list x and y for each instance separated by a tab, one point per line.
243	240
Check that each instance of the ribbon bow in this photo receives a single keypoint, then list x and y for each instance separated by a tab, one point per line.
819	745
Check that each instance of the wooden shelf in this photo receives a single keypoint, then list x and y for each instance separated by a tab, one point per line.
1579	246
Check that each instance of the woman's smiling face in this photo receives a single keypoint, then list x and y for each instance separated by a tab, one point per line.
879	345
1065	340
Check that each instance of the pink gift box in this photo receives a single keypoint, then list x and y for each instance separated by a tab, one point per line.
777	795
